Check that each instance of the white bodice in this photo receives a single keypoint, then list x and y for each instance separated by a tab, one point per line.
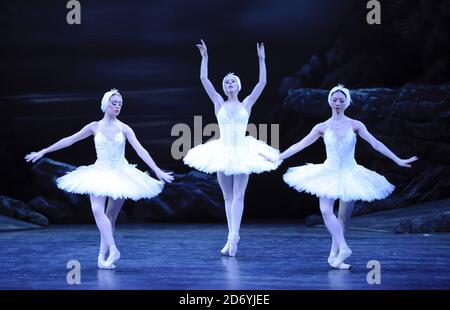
110	152
340	151
233	122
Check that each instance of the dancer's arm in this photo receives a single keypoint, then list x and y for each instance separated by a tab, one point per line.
210	90
145	156
312	137
251	99
380	147
85	132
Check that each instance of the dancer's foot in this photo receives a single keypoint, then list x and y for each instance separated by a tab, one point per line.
332	257
342	256
100	260
226	249
114	256
103	267
342	266
234	245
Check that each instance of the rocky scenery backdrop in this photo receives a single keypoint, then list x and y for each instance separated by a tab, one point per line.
398	74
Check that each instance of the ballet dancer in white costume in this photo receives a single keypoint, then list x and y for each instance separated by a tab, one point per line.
234	155
111	178
339	177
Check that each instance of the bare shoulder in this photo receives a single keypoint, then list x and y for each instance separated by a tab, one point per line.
357	125
92	126
320	127
126	129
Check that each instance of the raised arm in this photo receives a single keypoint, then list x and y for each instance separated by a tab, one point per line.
312	137
85	132
210	90
145	156
380	147
251	99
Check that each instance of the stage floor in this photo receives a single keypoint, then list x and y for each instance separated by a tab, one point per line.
186	256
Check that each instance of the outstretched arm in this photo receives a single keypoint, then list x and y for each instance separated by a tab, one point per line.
380	147
85	132
210	90
251	99
312	137
145	156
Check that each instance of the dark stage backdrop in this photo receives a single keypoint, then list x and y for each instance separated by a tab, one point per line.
53	74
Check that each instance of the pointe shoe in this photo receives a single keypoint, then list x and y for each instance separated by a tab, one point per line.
226	249
114	256
101	263
342	256
233	245
344	266
332	257
103	267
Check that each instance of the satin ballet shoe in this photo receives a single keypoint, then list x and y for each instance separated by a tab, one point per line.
233	245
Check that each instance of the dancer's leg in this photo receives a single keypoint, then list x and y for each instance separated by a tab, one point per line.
345	212
226	185
240	182
112	211
104	226
335	229
113	208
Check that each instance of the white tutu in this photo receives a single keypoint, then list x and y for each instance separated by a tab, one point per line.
111	175
214	156
358	183
125	182
339	177
234	152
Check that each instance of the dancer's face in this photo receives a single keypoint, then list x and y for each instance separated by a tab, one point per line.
338	101
231	84
115	105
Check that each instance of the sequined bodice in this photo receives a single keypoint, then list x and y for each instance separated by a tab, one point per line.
340	151
232	124
110	151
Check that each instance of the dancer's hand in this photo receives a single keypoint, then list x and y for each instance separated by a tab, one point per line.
260	50
34	156
269	158
202	48
406	162
164	176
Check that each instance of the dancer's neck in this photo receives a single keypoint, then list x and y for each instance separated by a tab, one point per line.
232	97
337	116
109	119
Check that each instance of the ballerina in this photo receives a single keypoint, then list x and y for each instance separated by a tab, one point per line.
111	178
234	155
339	177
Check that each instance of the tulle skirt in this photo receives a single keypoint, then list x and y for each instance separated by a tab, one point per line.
245	158
349	184
122	181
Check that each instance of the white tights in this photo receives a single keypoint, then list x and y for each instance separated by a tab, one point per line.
233	190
